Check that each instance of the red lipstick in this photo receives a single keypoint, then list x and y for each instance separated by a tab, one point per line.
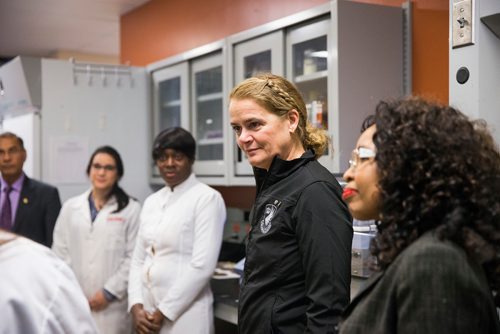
348	192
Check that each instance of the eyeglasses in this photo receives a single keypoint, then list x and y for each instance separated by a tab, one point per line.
360	155
107	168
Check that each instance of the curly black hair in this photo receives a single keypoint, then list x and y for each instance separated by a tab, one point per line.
437	170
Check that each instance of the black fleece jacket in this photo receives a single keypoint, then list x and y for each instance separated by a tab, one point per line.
298	263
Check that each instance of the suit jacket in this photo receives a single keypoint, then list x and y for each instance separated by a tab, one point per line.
431	287
37	211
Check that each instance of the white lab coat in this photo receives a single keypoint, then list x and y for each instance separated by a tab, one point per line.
38	292
176	254
99	253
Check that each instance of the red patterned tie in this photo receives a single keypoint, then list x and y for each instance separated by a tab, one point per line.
6	214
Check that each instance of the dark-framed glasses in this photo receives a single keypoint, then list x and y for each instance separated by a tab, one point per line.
107	168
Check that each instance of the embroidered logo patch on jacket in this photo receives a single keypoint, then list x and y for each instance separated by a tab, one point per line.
269	212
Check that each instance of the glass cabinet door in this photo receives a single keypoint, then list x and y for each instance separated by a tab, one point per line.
171	99
259	55
307	67
170	102
208	108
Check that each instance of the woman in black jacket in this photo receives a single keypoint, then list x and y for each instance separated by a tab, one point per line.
298	263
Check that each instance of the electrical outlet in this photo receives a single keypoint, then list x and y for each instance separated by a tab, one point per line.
462	23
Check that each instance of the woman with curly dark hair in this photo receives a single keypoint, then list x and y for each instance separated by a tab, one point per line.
430	177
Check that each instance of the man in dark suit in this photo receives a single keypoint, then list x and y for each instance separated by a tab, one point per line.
27	207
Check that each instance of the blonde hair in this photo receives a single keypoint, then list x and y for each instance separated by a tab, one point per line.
278	96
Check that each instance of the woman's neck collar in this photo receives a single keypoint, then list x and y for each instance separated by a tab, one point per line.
100	197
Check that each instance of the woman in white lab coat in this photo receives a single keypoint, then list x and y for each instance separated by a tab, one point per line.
178	245
95	234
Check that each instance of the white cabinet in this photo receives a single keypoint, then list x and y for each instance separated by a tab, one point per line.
343	56
259	55
171	101
170	104
189	90
207	111
307	49
343	64
365	64
249	57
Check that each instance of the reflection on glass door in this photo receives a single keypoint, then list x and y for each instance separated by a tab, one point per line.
257	63
308	69
208	96
170	95
208	109
310	76
170	102
260	55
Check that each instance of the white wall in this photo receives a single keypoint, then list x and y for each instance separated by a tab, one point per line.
81	111
27	127
479	97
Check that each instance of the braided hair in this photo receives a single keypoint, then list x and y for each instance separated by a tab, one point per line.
278	95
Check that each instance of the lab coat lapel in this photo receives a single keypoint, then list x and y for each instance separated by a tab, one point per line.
82	207
102	215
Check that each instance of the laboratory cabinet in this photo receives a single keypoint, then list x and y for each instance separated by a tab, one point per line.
368	61
171	88
171	103
249	58
343	56
189	91
307	49
207	112
343	63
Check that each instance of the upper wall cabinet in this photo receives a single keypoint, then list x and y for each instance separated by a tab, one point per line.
343	56
365	65
207	111
307	67
250	57
190	92
172	97
170	103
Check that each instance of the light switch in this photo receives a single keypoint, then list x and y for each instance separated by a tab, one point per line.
462	23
